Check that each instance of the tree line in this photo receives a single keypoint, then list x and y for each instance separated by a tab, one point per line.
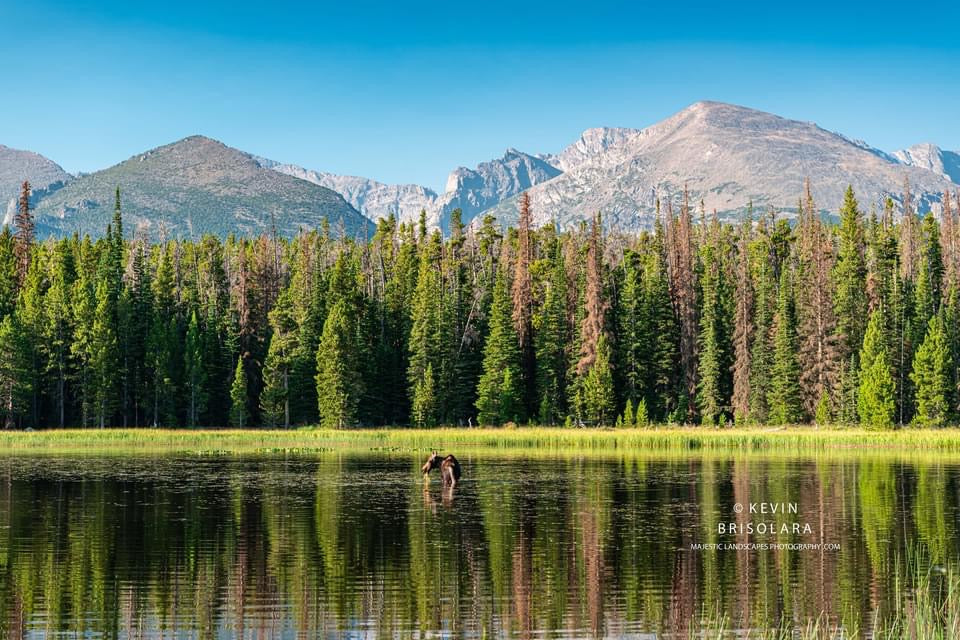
761	321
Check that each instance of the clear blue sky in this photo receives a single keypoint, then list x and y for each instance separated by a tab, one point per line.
406	91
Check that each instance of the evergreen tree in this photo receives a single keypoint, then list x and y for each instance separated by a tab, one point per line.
58	328
339	385
931	376
522	298
238	396
424	404
713	340
551	342
818	345
195	372
762	348
596	391
275	396
927	293
850	277
426	345
592	327
499	392
8	272
875	396
14	390
743	323
663	352
104	358
23	221
784	397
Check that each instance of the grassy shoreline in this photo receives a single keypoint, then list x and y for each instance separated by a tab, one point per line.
796	440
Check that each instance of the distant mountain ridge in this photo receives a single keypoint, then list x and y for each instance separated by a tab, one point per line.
16	166
727	156
195	186
470	190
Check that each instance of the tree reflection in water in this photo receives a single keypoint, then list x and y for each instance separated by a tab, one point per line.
263	547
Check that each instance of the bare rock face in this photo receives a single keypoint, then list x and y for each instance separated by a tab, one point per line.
475	190
727	156
373	199
470	190
44	176
197	186
933	158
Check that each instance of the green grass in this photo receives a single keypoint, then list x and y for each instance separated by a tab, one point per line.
789	441
925	606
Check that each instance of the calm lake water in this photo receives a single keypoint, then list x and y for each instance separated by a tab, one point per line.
355	545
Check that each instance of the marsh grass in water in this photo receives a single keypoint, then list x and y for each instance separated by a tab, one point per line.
926	606
792	440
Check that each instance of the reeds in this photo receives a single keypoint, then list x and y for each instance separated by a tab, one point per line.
785	441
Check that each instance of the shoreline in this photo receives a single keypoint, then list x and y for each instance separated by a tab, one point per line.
673	439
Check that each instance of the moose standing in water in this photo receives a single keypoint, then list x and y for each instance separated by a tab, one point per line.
449	468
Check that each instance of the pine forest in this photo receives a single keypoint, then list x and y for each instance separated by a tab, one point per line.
765	320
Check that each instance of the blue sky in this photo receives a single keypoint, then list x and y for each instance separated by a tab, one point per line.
405	92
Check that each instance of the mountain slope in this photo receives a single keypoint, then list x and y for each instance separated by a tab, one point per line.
192	187
727	156
44	175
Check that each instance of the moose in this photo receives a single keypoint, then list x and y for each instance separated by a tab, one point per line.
449	468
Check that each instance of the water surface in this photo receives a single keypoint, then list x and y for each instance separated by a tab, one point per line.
349	545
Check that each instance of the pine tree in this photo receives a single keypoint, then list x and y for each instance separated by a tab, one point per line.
713	367
818	344
426	344
499	392
8	272
195	372
275	395
424	404
592	328
339	385
927	294
58	328
14	388
662	354
596	391
784	397
522	298
931	376
551	342
762	348
23	221
681	254
743	323
642	417
631	327
104	358
850	277
238	396
875	396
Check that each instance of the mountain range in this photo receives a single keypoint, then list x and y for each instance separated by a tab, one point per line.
726	156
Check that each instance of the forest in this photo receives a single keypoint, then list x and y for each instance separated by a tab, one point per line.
770	319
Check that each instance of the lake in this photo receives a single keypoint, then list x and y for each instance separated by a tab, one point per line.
356	545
